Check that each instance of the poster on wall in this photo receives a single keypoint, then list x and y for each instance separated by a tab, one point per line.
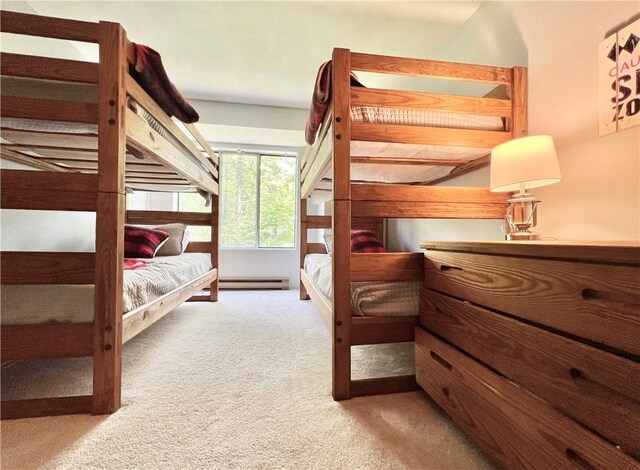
619	72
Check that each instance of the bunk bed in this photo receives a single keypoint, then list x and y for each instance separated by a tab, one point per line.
362	130
94	134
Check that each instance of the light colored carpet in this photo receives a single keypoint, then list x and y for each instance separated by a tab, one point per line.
242	383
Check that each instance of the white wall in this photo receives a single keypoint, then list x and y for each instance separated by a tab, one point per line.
599	197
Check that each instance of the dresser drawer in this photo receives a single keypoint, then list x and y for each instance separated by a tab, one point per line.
598	389
593	301
514	427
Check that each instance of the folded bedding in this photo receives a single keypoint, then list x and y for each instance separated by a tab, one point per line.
33	304
381	299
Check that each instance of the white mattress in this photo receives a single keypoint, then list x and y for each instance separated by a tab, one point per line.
414	117
380	299
22	304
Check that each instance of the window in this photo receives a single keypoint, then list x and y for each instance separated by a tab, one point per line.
194	202
257	201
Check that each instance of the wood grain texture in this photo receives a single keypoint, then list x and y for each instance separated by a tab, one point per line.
143	99
318	221
424	210
596	388
321	302
396	99
48	68
40	164
429	68
387	266
341	301
110	216
195	132
138	320
49	110
424	194
33	408
303	245
168	217
384	385
594	301
19	342
214	287
198	247
520	103
146	140
382	330
48	27
617	252
342	126
515	428
34	268
47	190
399	134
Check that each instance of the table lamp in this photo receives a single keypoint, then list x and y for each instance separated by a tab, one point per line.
519	165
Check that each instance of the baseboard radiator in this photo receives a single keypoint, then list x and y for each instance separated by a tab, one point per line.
254	283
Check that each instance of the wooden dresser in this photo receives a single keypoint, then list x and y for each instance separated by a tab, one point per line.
533	349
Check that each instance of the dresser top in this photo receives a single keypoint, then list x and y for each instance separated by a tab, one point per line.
625	252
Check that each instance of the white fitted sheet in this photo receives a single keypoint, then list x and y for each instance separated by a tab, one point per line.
381	299
22	304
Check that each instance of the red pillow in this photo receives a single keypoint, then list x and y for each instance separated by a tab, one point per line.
365	241
142	242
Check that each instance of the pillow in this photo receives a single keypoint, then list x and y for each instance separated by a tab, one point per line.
140	242
328	243
178	239
365	241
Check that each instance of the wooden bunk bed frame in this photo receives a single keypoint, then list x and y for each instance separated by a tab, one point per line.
84	172
353	201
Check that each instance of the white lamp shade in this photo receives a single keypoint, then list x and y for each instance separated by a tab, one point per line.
530	160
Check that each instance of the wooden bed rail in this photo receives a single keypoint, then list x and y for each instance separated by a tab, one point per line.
49	27
429	68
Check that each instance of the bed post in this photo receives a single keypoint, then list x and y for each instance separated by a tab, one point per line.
303	244
519	103
341	224
107	350
215	211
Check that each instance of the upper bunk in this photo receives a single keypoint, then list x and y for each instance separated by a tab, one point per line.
51	112
410	137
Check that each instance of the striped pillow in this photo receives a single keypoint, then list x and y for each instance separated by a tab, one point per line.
142	242
365	241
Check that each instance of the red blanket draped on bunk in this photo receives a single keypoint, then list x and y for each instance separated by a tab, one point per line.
320	101
149	72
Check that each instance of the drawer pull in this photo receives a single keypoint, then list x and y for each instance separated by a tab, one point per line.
575	373
446	267
440	360
577	459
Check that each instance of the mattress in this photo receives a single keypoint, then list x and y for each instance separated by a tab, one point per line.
75	92
22	304
385	173
379	299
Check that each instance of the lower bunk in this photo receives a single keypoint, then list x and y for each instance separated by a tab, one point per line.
57	321
382	312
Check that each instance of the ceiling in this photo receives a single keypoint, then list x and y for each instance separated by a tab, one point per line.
267	52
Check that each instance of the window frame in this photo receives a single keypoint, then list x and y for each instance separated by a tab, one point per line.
296	170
